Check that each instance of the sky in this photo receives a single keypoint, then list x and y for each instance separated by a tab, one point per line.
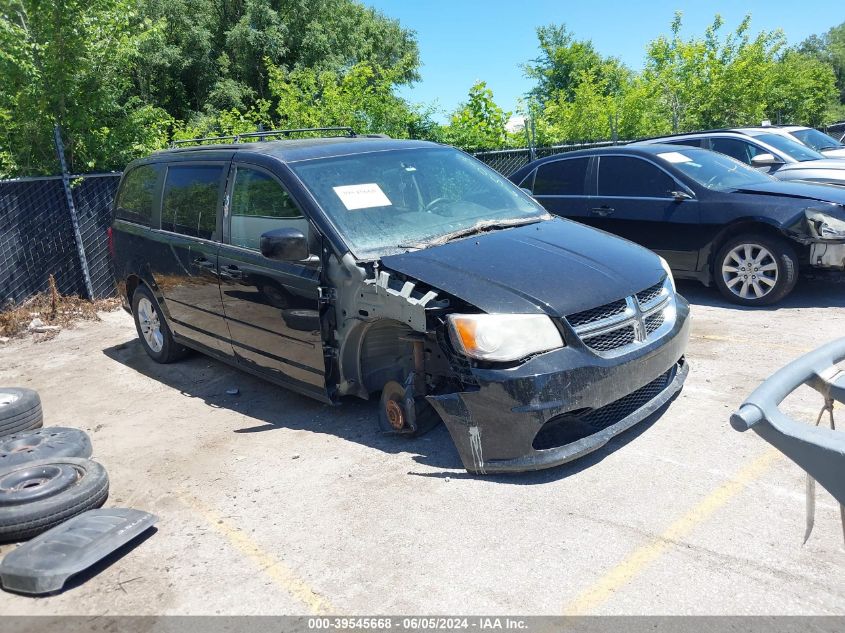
462	41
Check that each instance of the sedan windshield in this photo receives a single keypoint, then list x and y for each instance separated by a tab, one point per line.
817	140
386	202
793	149
715	171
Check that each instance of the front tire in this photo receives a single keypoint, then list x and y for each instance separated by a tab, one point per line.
152	328
755	269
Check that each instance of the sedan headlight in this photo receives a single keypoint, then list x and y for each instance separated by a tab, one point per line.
503	337
669	275
829	228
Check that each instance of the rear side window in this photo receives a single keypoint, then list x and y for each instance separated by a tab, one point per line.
626	176
135	200
191	195
561	178
258	204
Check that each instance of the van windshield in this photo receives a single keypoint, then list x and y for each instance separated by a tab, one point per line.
386	202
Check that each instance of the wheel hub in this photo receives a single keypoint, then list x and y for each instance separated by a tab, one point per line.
750	271
395	414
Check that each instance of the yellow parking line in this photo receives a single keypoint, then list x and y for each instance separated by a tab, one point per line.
635	563
283	575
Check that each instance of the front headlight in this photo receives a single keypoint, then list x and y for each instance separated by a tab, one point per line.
503	337
669	275
829	228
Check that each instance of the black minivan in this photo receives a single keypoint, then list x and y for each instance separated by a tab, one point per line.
360	266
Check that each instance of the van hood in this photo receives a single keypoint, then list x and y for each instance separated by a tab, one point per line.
556	267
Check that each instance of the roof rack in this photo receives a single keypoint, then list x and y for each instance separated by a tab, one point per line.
262	135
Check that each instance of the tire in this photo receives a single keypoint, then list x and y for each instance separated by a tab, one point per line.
755	269
45	443
39	495
20	410
152	328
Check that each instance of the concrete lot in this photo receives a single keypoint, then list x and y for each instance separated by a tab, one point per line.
271	503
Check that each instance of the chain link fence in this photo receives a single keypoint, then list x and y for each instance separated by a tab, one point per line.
37	237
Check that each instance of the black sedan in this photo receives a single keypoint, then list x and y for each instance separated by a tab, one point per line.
711	217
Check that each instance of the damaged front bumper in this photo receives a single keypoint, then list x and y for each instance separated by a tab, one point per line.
828	255
562	405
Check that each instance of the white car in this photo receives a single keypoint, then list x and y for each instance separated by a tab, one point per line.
810	137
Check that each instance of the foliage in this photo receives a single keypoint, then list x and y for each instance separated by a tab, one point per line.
829	49
361	98
564	62
687	84
67	62
209	55
479	123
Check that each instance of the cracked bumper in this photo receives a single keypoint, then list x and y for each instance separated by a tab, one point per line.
828	255
495	426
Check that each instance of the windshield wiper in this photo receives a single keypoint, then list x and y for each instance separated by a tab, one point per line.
478	227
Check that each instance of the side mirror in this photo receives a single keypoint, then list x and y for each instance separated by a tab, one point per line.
680	196
286	245
765	160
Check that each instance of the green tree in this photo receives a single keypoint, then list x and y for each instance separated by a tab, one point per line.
479	123
69	62
207	55
829	48
362	98
564	62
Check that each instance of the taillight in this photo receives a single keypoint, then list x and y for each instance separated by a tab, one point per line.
110	238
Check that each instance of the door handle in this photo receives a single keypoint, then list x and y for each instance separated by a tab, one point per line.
603	211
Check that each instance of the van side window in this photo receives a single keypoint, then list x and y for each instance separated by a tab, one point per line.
561	178
191	194
258	205
135	200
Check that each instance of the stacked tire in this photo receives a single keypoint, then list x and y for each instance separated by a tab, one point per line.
45	474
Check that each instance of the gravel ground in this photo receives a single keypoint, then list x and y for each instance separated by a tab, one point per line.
271	503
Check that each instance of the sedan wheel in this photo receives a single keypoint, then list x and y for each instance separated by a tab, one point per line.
756	269
750	271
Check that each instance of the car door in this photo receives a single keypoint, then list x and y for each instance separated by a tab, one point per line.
189	235
271	307
561	186
635	199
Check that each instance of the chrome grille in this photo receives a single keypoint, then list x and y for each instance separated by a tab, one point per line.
613	327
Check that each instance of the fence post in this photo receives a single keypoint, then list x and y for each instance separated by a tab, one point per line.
77	234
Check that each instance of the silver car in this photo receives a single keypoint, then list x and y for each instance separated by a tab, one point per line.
772	153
